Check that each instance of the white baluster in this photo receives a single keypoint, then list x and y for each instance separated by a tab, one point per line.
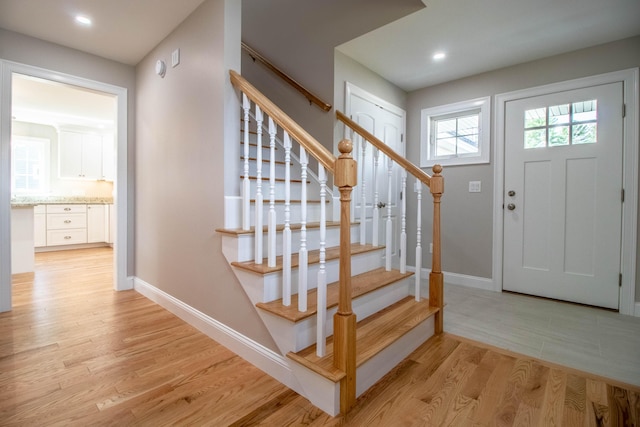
302	254
418	189
403	232
375	220
321	334
286	234
389	237
363	193
259	197
246	185
271	223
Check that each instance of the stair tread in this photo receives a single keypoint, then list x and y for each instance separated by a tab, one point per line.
281	201
266	179
313	258
373	334
279	227
278	162
360	285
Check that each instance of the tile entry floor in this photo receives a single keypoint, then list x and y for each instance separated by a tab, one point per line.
589	339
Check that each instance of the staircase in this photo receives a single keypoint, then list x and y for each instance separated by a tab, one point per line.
334	307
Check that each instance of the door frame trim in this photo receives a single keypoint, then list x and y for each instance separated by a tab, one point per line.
121	245
630	79
350	90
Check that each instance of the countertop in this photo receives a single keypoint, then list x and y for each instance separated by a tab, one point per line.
29	201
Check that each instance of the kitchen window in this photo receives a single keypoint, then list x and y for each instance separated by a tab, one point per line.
29	165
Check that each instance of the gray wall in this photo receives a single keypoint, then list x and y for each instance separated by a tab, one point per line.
38	53
179	170
467	217
301	42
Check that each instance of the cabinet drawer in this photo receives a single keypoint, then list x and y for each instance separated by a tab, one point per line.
40	209
66	237
66	209
66	221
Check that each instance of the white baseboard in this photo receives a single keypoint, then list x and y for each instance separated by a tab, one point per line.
265	359
458	279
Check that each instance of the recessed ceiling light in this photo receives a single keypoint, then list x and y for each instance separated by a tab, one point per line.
83	20
439	56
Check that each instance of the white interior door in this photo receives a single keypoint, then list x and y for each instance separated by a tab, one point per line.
386	122
562	201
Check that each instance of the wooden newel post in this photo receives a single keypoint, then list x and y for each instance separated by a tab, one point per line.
344	321
436	280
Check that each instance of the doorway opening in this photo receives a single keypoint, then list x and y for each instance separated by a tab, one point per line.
64	145
510	211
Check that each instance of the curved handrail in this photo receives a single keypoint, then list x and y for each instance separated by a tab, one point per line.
410	167
310	144
256	56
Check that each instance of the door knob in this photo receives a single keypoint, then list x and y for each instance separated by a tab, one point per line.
381	205
511	206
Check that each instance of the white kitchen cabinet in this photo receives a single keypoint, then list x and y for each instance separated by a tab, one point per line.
66	224
110	224
108	157
80	155
39	226
96	221
22	256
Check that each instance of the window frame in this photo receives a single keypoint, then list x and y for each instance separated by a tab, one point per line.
46	165
458	109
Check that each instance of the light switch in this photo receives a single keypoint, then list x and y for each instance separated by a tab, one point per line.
175	57
475	186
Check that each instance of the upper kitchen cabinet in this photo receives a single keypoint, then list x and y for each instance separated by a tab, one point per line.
86	156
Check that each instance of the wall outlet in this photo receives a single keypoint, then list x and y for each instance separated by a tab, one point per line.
475	186
430	248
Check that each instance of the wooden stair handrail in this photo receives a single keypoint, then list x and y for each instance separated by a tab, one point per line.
410	167
317	150
256	56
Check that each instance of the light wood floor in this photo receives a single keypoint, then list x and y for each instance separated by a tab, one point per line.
74	352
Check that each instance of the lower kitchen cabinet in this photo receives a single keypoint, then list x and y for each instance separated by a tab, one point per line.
96	220
72	224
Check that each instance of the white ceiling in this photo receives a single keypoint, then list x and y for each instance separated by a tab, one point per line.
480	36
46	102
122	30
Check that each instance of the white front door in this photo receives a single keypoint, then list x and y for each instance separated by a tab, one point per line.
563	195
380	183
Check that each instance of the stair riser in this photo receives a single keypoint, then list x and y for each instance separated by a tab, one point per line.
298	336
373	370
326	395
266	152
233	211
295	191
241	248
313	212
266	288
279	170
321	392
